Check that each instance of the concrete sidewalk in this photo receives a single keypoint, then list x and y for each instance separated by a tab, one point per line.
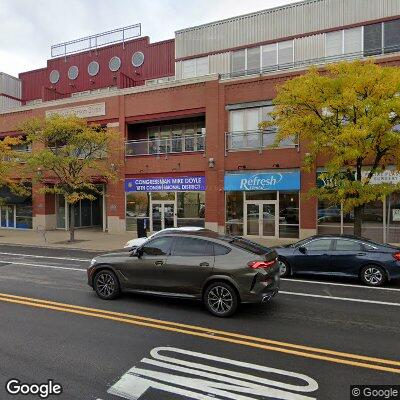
86	239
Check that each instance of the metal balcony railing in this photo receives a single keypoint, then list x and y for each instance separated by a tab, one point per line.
183	144
254	140
313	61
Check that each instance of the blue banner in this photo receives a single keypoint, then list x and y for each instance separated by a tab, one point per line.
166	184
273	180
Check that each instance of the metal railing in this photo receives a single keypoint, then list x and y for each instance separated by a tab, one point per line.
96	41
312	61
183	144
254	140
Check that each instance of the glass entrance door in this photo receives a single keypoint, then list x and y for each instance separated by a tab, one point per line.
7	216
163	215
261	219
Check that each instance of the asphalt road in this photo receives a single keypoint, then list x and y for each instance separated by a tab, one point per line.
313	341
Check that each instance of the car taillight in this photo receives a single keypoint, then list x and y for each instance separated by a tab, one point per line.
396	256
261	264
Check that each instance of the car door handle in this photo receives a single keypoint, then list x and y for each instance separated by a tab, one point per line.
361	254
204	264
159	263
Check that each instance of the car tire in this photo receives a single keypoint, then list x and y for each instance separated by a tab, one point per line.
221	299
284	269
372	275
106	285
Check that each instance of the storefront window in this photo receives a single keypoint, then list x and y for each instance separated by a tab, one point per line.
24	216
289	215
163	196
372	225
328	218
234	213
393	217
137	206
60	202
191	208
262	195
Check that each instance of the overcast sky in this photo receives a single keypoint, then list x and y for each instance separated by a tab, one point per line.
29	27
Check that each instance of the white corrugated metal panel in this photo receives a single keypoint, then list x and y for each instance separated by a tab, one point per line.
10	85
309	47
6	103
295	19
178	70
220	63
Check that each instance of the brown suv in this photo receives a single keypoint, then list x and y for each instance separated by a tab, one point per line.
221	271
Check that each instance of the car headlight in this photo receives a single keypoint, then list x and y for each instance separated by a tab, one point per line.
93	261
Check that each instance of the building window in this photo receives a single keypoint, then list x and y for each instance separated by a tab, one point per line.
114	64
244	132
285	52
372	39
288	215
253	59
269	55
54	76
191	208
238	61
187	137
234	213
392	36
195	67
352	40
334	45
93	68
73	72
137	206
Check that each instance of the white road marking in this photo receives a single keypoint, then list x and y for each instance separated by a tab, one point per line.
43	266
52	257
385	303
218	383
338	284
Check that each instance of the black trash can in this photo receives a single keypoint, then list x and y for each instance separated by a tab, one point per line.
141	227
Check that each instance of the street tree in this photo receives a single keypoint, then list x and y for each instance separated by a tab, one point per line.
70	157
348	117
10	166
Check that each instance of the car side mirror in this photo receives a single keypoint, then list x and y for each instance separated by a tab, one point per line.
136	253
302	250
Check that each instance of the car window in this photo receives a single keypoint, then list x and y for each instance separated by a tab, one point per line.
249	246
192	247
348	245
220	250
318	245
158	247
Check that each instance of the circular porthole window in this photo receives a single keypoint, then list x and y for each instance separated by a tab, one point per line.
114	64
54	76
137	59
73	72
93	68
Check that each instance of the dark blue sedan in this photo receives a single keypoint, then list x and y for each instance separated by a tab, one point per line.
341	255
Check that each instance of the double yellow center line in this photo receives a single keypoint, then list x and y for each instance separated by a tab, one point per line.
214	334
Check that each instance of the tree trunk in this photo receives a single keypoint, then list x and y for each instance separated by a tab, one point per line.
72	223
358	213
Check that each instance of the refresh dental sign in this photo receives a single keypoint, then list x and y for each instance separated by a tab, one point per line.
166	184
262	181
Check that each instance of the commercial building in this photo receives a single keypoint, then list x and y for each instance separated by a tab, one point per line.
188	110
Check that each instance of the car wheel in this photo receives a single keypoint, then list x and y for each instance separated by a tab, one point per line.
106	285
284	269
221	299
373	275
